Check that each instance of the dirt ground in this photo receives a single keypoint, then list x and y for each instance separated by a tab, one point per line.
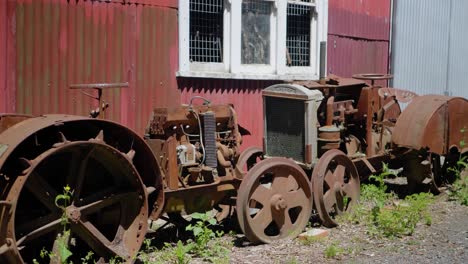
444	241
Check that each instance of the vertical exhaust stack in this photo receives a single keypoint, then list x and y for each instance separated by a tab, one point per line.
323	61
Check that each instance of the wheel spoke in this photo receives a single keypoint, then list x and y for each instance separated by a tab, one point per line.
283	220
98	196
261	195
350	190
98	205
329	200
36	223
280	184
263	218
292	183
73	167
96	240
296	198
81	174
329	179
339	173
45	229
42	191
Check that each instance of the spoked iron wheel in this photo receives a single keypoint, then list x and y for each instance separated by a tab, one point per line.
335	182
274	201
106	215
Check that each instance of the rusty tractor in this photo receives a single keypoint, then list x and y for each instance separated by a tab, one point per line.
320	140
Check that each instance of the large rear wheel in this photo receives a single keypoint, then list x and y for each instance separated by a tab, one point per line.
107	211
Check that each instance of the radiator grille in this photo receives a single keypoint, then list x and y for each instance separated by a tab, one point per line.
285	135
209	139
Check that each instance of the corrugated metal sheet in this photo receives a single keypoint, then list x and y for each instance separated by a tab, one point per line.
60	43
3	48
349	56
358	37
7	55
430	51
458	52
368	19
245	95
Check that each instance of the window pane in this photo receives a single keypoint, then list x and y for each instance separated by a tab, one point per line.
206	30
298	35
256	32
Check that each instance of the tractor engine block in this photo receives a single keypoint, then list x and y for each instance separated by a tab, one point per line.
194	144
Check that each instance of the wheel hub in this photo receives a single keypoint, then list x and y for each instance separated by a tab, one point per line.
278	202
73	214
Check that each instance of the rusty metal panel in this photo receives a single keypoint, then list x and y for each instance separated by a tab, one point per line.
246	95
348	56
366	19
56	43
161	3
156	61
433	122
7	55
3	48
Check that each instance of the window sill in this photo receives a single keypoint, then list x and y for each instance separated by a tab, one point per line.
247	76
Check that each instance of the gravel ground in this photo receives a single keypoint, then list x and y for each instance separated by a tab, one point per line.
444	241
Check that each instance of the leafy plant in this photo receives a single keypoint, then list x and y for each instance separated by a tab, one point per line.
207	243
383	215
402	219
333	251
459	189
61	251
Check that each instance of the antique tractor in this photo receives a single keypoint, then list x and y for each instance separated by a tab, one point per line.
188	161
320	139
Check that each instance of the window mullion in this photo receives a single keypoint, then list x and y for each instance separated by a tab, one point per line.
236	21
281	38
184	32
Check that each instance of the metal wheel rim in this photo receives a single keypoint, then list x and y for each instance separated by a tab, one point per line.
132	205
274	201
335	186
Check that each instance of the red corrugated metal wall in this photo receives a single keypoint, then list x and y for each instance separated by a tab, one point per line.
61	42
45	45
358	36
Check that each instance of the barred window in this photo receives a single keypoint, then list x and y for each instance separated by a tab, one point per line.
256	32
251	39
298	35
206	30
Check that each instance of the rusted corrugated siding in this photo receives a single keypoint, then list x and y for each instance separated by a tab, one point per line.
156	61
348	56
245	95
369	19
3	47
60	43
7	56
358	36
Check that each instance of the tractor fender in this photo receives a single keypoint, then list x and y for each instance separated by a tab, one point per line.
433	122
44	131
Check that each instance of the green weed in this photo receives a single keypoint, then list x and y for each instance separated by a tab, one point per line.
383	216
332	251
207	243
459	190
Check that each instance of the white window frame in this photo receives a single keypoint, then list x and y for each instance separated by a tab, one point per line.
231	67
